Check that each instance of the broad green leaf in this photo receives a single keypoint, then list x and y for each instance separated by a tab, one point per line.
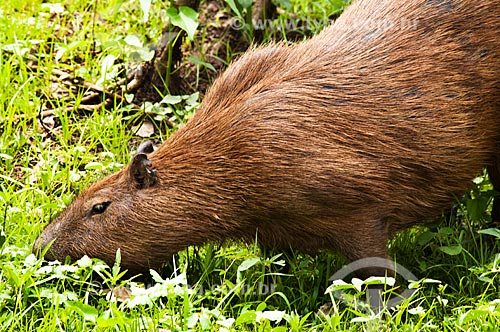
272	315
234	7
478	180
248	263
261	307
416	311
107	64
186	19
94	165
192	320
193	99
473	315
133	40
426	237
245	3
338	285
246	318
190	19
171	100
108	70
156	277
145	54
129	97
74	176
357	283
281	329
205	322
491	231
108	322
389	281
87	311
227	323
477	206
451	250
445	230
85	261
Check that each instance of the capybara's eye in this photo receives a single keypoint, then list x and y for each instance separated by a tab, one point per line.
99	208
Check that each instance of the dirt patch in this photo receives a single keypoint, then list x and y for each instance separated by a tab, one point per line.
194	64
220	42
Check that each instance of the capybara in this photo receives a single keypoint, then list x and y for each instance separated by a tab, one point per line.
372	126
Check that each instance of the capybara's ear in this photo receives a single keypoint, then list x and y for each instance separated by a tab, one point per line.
140	172
146	147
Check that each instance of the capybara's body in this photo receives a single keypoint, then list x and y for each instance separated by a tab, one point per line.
372	126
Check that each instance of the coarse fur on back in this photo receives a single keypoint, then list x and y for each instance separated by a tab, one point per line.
372	126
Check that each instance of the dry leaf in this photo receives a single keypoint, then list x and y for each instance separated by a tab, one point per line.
146	129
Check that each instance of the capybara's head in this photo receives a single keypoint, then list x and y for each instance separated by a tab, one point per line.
115	213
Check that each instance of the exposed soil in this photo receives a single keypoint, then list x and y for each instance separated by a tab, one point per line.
217	41
193	67
220	38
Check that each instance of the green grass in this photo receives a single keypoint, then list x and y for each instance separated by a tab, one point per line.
234	286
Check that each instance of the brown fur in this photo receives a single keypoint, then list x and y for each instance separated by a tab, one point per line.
335	143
